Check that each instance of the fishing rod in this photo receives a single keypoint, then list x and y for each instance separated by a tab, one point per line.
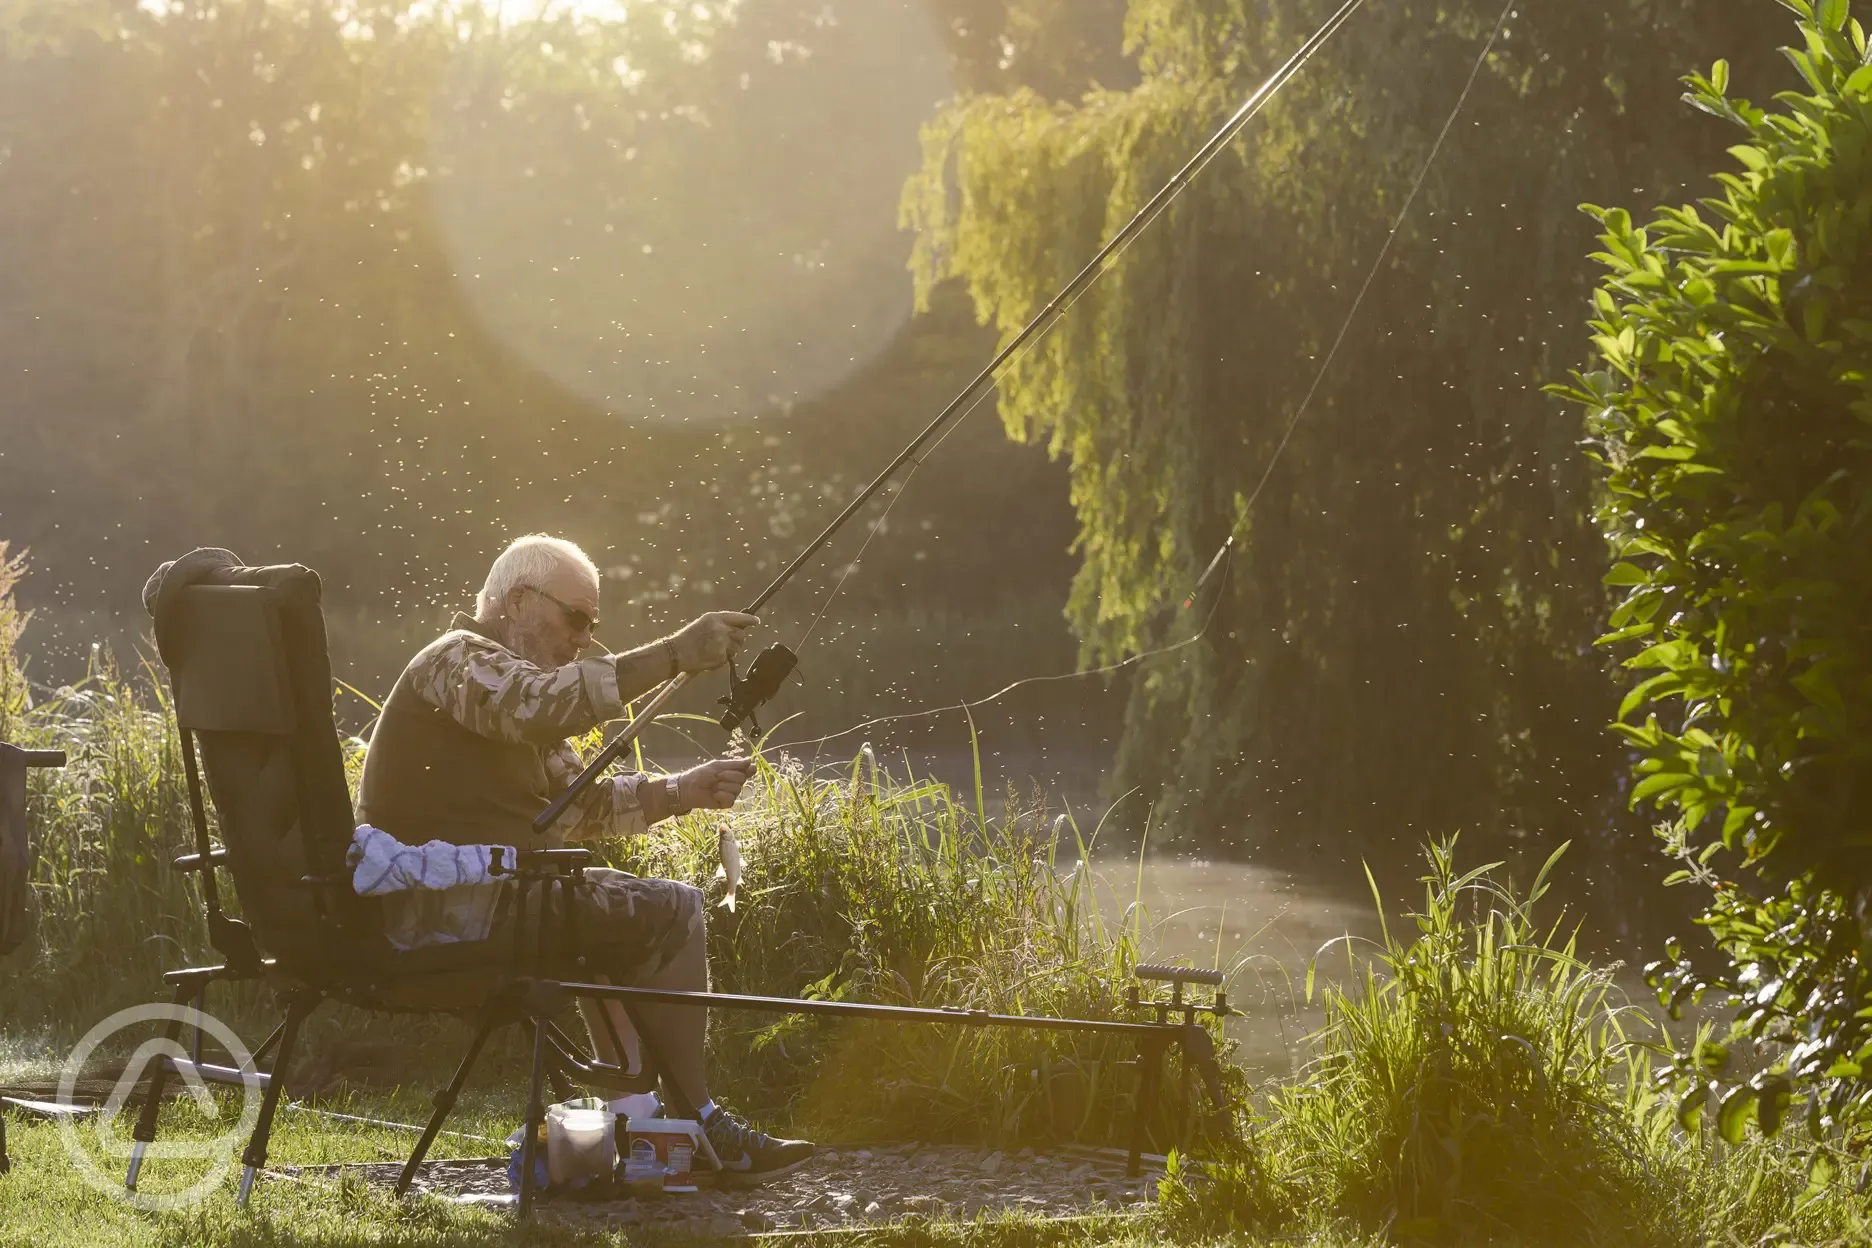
774	664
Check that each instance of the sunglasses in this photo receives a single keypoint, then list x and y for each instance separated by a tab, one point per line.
580	621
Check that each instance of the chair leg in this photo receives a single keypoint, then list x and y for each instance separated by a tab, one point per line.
255	1156
145	1133
536	1115
269	1044
1150	1077
445	1102
201	1008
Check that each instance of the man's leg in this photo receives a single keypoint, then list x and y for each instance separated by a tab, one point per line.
655	936
678	1034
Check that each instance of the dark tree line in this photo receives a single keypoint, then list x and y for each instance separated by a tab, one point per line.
375	287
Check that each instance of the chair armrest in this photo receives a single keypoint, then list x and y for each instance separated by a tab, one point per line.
541	863
195	862
563	857
44	758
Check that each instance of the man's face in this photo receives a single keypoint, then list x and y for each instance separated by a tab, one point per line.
544	633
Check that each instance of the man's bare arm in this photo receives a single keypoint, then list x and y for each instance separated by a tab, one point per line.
643	669
699	646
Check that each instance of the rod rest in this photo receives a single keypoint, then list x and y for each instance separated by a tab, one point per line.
194	862
1178	975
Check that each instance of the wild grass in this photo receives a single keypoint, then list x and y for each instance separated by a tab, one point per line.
1476	1082
110	914
13	687
860	886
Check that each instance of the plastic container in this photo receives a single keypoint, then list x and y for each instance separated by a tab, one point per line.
665	1146
581	1142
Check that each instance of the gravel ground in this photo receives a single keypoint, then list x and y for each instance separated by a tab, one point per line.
839	1187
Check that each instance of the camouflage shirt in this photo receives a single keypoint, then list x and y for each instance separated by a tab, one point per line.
493	692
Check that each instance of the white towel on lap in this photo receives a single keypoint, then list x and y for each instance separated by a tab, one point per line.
382	864
434	894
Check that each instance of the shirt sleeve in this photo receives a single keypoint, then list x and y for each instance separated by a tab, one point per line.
493	692
609	808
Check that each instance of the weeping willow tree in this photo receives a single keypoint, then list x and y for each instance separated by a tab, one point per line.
1402	643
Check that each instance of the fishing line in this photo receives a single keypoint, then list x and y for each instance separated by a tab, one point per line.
983	381
1049	315
1293	422
384	1122
1022	683
1384	252
878	524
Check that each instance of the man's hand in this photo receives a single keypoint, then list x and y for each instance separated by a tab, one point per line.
711	640
716	785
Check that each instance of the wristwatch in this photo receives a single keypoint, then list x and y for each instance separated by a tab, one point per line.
672	792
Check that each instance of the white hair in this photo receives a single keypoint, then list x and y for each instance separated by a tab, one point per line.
530	560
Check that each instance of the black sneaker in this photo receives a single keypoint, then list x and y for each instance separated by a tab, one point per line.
748	1154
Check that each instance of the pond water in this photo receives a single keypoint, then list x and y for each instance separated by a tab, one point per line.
1264	927
1260	926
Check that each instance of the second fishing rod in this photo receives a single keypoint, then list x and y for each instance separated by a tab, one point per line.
776	663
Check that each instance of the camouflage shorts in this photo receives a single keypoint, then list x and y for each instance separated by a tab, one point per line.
635	926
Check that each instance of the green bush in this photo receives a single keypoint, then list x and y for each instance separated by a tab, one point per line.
1731	422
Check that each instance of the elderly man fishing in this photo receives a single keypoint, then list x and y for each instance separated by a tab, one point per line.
473	743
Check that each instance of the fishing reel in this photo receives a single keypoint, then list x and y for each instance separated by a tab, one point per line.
747	694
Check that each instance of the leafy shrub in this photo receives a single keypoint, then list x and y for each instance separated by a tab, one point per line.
1731	421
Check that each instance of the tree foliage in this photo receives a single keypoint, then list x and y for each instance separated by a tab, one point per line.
1403	642
1732	422
376	286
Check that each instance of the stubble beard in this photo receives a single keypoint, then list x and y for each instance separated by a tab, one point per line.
528	644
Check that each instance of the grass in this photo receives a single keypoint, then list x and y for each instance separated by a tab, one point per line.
1474	1081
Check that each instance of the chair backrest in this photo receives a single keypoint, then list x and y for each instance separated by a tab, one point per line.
245	649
